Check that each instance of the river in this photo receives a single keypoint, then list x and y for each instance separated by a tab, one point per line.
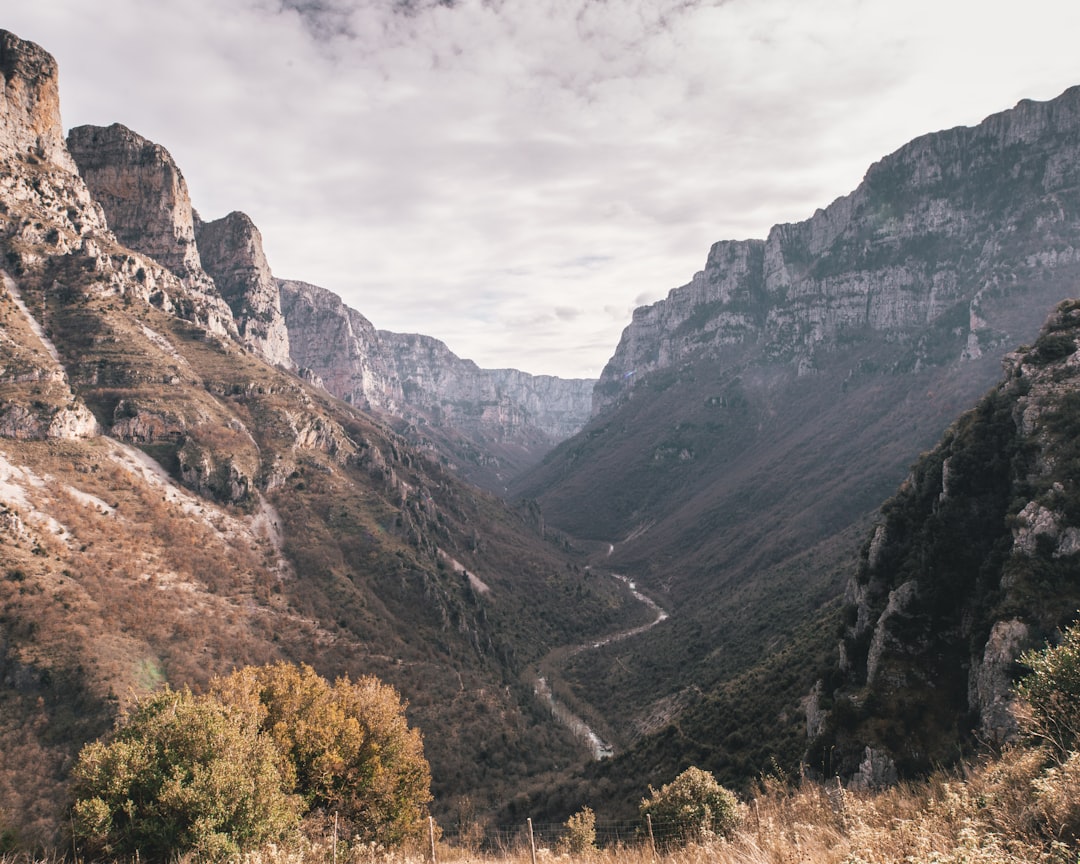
600	748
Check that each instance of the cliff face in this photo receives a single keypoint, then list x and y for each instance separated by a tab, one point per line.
30	125
143	193
748	427
940	231
975	559
231	251
491	423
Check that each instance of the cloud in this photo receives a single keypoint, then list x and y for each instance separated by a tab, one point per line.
465	168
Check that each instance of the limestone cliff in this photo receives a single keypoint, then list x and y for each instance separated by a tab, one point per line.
451	405
231	251
939	232
30	125
143	193
499	420
173	507
976	558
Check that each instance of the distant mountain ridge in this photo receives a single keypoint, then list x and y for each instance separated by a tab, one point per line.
489	424
944	228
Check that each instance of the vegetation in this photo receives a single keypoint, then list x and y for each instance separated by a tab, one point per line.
347	746
183	773
580	832
693	806
234	769
1052	693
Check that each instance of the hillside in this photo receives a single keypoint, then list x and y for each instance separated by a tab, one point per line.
975	559
174	505
749	425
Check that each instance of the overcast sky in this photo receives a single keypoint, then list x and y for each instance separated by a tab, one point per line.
515	176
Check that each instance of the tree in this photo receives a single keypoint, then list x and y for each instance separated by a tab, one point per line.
1052	691
692	806
348	746
182	773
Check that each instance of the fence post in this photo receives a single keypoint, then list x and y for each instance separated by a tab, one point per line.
652	840
532	841
431	836
335	837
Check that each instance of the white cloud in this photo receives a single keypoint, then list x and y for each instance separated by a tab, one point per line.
513	176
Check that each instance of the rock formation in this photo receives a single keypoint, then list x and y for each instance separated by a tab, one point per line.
146	202
30	126
143	193
174	507
419	379
939	231
231	251
975	559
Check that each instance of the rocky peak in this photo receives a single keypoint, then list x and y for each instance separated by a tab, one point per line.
143	194
30	124
338	345
231	252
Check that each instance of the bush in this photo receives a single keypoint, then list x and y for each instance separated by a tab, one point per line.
1052	692
580	832
691	807
181	774
348	746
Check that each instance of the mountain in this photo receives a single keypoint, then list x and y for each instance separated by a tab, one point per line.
177	502
975	559
749	425
489	424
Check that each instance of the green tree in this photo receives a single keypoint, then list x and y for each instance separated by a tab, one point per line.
348	744
1052	692
181	773
692	806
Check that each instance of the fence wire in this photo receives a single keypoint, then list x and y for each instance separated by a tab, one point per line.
553	835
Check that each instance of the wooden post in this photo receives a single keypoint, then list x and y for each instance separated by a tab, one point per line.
652	840
532	841
335	837
431	836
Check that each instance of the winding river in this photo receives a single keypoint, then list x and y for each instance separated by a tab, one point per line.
600	748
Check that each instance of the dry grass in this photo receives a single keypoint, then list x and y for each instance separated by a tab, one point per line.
1018	808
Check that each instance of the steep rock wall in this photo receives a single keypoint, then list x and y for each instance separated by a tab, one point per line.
411	375
231	251
937	233
975	559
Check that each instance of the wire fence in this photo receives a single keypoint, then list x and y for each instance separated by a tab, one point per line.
555	836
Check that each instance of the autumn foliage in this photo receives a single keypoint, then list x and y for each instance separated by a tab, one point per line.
244	764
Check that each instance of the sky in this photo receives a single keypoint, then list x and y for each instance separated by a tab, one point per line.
515	176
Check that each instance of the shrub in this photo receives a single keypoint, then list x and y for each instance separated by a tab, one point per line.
690	807
1052	692
580	832
348	745
181	774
